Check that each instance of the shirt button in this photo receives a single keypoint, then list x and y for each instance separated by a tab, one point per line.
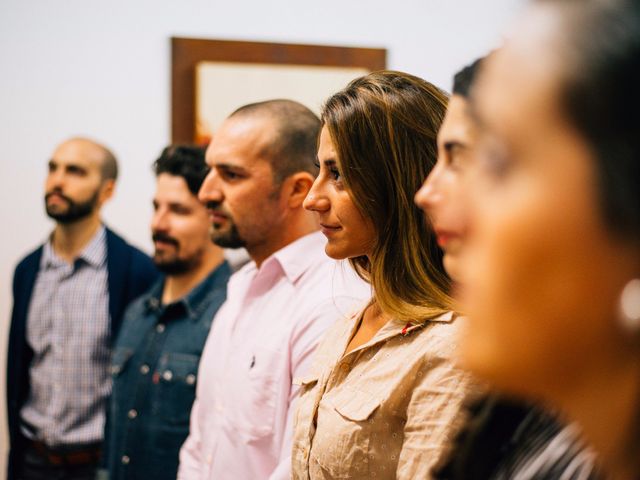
167	375
132	413
191	379
160	328
209	459
125	460
144	369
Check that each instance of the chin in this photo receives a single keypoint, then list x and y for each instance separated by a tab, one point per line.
331	253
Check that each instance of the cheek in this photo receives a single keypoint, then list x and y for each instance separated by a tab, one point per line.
519	285
531	267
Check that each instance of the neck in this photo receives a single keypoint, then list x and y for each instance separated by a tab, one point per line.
606	405
68	239
178	286
286	233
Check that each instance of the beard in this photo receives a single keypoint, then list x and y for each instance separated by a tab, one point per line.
229	238
75	210
172	265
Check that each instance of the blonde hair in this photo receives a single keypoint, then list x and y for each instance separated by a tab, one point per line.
384	127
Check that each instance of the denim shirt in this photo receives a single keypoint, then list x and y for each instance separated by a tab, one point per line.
155	370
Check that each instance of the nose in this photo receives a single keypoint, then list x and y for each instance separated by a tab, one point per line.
159	220
315	200
428	196
55	179
210	190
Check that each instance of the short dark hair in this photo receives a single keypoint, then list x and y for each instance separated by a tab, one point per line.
186	161
295	146
463	80
600	97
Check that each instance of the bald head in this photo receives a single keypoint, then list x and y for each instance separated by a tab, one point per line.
95	152
294	143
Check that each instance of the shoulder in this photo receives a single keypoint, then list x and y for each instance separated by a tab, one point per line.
29	260
119	247
29	263
117	244
334	283
436	341
334	339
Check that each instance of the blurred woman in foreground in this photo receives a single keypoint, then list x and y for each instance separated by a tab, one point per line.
553	261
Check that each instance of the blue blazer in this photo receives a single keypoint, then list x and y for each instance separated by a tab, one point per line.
130	273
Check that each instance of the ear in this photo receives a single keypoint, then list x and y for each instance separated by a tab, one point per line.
297	186
106	190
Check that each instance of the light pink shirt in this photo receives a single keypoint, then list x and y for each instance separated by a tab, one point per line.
262	337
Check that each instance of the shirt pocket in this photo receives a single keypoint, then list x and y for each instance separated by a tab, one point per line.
341	445
177	375
257	406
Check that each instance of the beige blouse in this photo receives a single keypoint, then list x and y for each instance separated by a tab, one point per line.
385	410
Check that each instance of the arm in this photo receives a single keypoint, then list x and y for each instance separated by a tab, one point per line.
190	454
433	412
303	346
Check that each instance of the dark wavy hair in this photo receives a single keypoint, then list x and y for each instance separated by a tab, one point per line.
186	161
601	97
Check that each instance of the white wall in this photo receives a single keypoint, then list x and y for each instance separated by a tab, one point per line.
102	69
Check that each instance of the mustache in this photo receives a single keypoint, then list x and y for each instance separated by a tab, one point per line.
217	206
163	237
58	192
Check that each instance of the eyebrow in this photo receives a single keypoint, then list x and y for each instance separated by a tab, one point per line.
329	162
451	144
228	166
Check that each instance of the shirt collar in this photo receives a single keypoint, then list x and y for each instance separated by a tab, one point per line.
94	253
395	327
198	299
296	258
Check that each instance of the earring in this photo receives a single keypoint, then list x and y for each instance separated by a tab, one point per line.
630	306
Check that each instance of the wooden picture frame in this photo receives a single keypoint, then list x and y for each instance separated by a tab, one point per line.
186	53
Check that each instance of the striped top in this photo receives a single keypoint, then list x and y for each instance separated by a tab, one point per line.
542	448
503	439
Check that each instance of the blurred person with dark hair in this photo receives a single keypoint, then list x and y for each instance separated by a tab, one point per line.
69	298
552	263
384	393
279	304
155	358
503	437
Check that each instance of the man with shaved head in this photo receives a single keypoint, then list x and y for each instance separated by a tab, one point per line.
278	305
69	297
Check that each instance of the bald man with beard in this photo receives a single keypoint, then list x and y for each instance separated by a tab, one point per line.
69	296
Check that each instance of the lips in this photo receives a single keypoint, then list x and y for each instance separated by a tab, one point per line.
216	216
446	238
329	230
56	198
